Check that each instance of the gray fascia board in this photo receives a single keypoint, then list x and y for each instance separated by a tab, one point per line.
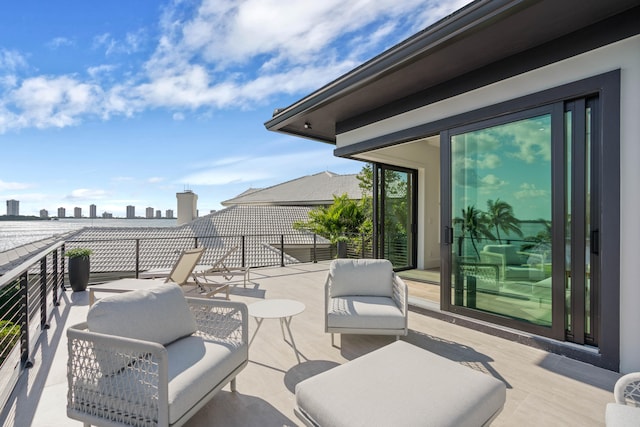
462	21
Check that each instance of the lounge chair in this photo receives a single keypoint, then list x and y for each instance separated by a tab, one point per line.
187	267
203	276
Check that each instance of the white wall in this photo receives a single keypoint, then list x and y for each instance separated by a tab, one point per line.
624	55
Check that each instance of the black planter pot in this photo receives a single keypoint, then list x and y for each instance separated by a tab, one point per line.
342	249
79	268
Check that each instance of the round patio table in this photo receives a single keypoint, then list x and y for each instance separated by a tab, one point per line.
283	309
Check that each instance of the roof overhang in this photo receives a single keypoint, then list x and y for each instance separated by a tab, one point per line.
482	33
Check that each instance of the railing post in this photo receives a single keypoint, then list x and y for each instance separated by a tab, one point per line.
62	269
24	322
195	243
137	257
56	302
244	254
362	241
282	250
43	293
315	247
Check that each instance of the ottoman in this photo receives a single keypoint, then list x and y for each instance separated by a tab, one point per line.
400	385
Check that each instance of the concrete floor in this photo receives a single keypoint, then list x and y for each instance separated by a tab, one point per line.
543	389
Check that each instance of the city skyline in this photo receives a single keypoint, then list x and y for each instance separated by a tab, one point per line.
13	210
126	103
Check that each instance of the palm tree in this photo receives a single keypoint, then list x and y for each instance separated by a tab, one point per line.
500	216
474	224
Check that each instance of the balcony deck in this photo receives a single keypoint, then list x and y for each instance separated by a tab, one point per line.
542	388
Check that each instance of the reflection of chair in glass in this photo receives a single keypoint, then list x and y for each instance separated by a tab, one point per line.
473	278
514	264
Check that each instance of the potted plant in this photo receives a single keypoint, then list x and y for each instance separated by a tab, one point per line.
79	268
341	243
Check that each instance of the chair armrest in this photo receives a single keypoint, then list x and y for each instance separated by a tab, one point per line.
400	293
627	390
493	258
96	394
327	297
538	258
222	320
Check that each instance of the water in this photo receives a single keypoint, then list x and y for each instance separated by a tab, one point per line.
18	233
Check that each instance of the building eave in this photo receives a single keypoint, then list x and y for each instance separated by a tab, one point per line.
481	33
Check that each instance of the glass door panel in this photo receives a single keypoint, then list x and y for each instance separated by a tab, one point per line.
396	215
501	210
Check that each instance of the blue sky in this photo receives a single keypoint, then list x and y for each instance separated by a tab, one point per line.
126	103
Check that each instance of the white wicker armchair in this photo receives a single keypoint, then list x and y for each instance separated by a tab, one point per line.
123	381
626	410
365	296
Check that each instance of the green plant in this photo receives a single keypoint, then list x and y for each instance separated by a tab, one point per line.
78	252
9	335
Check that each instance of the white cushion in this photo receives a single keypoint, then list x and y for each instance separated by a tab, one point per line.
197	366
158	314
364	312
400	385
618	415
361	277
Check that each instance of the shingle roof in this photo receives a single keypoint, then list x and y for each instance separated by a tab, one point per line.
310	190
114	249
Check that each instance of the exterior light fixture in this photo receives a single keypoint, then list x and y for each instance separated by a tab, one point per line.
307	125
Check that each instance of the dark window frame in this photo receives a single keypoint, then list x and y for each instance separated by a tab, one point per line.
607	87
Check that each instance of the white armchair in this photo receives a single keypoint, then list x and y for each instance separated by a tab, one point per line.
626	411
365	296
153	357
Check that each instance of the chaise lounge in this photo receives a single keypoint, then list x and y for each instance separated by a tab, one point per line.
152	357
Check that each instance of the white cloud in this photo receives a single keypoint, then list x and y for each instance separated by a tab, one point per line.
528	191
54	101
87	194
155	180
178	116
213	55
4	186
131	43
100	70
252	170
59	42
11	60
491	183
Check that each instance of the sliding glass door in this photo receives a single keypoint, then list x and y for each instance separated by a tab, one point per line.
521	220
395	213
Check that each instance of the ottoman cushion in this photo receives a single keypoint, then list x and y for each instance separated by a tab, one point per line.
400	385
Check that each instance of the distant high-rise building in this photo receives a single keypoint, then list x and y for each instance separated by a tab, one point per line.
93	211
149	213
13	207
131	211
62	213
187	206
44	213
169	213
107	215
77	212
158	213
